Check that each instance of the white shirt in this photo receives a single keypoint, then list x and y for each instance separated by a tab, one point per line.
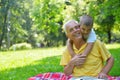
91	37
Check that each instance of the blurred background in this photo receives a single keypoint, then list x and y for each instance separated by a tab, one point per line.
26	24
32	39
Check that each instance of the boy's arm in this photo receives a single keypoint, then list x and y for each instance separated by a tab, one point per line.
70	48
91	39
76	60
88	49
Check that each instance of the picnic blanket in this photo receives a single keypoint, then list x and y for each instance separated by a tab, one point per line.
60	76
50	76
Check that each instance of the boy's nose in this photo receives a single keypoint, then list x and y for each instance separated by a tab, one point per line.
85	32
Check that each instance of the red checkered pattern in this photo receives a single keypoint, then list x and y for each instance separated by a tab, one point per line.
60	76
113	78
50	76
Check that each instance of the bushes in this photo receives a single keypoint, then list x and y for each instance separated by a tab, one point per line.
20	46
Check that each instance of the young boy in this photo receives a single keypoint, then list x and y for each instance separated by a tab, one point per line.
86	25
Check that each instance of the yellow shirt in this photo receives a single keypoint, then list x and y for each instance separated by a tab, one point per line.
94	61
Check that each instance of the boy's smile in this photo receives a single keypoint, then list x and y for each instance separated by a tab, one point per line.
85	30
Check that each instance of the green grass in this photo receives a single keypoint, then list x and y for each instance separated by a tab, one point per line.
115	51
20	65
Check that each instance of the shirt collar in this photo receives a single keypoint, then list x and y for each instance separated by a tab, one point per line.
81	48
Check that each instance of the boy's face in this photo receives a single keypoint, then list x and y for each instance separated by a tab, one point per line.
85	30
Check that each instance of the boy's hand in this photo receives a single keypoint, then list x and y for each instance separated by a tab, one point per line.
83	60
69	41
83	55
72	56
79	59
70	49
102	75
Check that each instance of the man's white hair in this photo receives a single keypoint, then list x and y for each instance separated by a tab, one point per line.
67	24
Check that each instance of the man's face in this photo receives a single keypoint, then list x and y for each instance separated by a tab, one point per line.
73	31
85	30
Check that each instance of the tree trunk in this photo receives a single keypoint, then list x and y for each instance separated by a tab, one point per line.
8	30
6	7
3	30
109	35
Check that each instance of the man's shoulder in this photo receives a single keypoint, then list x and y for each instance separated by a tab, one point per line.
98	42
65	51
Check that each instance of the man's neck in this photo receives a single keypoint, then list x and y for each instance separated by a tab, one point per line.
78	43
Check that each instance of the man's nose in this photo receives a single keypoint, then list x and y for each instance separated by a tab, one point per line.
75	29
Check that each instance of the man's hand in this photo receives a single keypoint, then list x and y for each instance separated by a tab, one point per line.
102	75
78	60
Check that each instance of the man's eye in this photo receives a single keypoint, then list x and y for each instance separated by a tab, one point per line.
71	30
76	27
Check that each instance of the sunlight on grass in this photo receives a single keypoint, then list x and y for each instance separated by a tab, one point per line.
115	51
15	65
113	46
13	59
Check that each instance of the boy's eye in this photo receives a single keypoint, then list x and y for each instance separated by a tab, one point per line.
89	30
83	29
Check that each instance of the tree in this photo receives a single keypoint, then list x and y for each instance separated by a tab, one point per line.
105	14
15	21
48	21
4	12
102	11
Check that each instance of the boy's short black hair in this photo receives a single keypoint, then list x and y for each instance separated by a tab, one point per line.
86	20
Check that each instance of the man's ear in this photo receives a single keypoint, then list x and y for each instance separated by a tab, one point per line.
67	35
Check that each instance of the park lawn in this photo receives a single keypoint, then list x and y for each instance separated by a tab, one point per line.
20	65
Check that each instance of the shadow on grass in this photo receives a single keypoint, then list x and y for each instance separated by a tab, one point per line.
49	64
115	71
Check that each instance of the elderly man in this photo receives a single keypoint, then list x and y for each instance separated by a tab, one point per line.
93	64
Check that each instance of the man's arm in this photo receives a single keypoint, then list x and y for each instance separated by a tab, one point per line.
70	48
68	69
107	57
107	68
86	52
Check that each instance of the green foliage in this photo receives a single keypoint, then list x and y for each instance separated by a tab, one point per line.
20	46
103	13
22	20
116	37
48	20
16	23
